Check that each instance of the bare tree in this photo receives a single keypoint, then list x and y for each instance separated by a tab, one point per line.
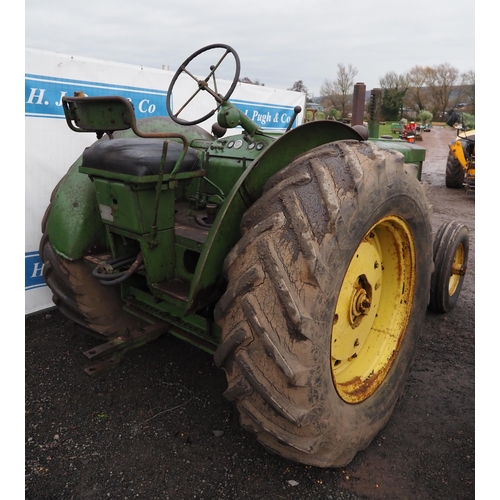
338	93
299	86
469	85
442	82
327	94
417	96
245	79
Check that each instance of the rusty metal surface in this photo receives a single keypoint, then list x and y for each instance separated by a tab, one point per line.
118	346
358	104
175	288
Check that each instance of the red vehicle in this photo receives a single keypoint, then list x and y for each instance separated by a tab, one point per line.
410	133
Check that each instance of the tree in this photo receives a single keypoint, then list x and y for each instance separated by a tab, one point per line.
425	116
245	79
469	85
417	96
394	88
334	114
442	82
338	93
299	86
439	89
469	121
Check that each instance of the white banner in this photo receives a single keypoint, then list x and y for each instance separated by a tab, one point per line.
51	147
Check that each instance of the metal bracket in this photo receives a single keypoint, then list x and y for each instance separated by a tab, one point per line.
118	346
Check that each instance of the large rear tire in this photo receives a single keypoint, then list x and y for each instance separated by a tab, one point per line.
78	295
454	173
327	290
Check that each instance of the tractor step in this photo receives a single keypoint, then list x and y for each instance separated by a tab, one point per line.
118	346
176	288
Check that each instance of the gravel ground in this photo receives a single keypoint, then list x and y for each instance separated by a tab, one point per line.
157	427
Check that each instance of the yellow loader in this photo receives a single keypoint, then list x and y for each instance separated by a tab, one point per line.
461	162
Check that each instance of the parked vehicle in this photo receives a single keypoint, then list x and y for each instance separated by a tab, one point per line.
304	263
461	161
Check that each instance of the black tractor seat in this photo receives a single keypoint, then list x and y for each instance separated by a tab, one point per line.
138	157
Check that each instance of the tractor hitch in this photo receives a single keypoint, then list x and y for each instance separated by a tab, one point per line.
118	346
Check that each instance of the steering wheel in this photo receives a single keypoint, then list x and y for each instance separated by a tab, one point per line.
209	84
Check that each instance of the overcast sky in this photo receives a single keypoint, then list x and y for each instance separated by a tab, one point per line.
278	41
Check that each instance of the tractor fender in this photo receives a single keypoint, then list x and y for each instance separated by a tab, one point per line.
73	218
225	233
289	146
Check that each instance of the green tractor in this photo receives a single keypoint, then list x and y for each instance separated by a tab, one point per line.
303	262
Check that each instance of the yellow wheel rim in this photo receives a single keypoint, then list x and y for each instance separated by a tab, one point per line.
373	309
456	269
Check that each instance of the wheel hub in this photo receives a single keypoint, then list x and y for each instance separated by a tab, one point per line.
360	305
372	309
457	269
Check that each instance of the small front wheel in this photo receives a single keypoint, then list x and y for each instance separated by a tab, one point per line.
451	252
